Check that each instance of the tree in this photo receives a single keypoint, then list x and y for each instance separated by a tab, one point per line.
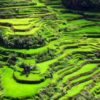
27	68
82	4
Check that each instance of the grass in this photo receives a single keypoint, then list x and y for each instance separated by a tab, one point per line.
75	90
16	21
92	29
31	77
23	89
84	69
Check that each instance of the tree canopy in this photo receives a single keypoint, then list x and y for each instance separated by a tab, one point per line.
82	4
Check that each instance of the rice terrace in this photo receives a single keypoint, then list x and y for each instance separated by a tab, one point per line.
49	49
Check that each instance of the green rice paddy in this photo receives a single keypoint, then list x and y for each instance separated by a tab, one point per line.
48	52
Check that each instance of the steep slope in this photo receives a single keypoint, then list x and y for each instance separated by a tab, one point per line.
48	52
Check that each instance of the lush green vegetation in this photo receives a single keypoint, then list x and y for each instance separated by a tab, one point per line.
48	52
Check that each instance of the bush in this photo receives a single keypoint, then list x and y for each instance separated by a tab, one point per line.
47	55
22	42
12	60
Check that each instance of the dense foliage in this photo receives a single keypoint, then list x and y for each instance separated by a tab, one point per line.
82	4
22	41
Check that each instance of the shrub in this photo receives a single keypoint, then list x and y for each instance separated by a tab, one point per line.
22	42
12	60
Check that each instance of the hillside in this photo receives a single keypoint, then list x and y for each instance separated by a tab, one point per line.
48	51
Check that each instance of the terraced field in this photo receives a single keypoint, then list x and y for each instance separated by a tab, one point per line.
48	52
